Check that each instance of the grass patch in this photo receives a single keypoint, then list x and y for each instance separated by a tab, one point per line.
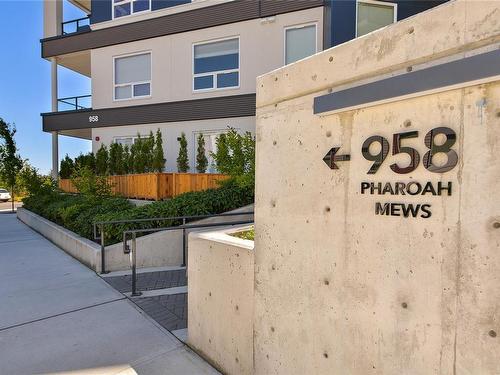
245	235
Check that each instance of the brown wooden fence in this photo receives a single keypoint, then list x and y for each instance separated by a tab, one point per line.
155	186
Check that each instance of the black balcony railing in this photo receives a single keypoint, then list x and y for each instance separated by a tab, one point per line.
74	103
76	26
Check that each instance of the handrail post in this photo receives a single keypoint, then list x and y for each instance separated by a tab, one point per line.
133	256
103	249
183	243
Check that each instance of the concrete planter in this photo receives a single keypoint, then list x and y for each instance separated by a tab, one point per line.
86	251
220	299
155	250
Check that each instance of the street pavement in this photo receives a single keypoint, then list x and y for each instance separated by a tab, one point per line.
57	316
7	206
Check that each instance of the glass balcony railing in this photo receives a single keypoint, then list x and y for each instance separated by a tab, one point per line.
74	103
76	26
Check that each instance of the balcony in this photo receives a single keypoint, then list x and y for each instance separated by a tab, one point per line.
74	103
79	25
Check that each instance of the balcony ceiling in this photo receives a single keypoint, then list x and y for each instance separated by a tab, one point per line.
84	5
78	62
78	133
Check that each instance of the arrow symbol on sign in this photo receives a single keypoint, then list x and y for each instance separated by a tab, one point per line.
331	157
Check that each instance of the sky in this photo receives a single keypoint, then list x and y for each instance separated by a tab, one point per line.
25	82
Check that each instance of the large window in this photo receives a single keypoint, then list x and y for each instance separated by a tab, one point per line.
122	8
300	42
216	65
372	15
132	76
125	141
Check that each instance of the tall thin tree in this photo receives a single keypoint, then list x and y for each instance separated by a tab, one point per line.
182	159
10	161
201	158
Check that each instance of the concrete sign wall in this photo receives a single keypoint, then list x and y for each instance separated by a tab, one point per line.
378	228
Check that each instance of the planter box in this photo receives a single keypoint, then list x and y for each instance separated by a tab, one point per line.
86	251
220	299
155	250
155	186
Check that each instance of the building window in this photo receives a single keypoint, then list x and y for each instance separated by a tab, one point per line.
372	15
125	141
300	42
122	8
132	76
216	65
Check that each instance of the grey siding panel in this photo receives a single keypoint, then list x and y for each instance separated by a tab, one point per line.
272	7
215	15
189	110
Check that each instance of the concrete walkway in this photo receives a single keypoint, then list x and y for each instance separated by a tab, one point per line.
57	316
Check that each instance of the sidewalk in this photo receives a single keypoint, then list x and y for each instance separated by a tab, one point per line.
57	316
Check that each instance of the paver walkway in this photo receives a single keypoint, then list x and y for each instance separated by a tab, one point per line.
57	316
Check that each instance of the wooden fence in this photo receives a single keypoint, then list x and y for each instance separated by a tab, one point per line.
155	186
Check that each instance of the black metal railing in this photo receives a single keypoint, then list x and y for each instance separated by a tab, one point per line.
99	230
74	103
135	232
76	26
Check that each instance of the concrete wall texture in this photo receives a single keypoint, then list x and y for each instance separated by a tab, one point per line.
220	300
340	289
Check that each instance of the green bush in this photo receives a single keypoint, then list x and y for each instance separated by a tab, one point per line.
201	158
182	159
87	183
78	212
67	167
235	156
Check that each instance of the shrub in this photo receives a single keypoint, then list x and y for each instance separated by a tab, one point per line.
85	160
79	212
116	159
102	160
67	167
88	183
127	160
182	159
158	154
201	158
235	156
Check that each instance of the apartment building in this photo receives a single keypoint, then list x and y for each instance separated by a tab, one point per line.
187	65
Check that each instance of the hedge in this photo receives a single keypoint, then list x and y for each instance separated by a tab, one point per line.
78	212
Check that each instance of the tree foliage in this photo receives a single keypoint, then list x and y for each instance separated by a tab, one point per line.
10	160
158	154
235	156
88	183
101	161
67	167
201	158
182	159
116	166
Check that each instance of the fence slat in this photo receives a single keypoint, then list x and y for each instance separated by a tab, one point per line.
155	186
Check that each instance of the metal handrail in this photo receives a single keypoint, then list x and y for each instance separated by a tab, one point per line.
77	21
75	99
134	232
102	224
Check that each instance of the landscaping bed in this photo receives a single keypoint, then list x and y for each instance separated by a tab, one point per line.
245	235
78	212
